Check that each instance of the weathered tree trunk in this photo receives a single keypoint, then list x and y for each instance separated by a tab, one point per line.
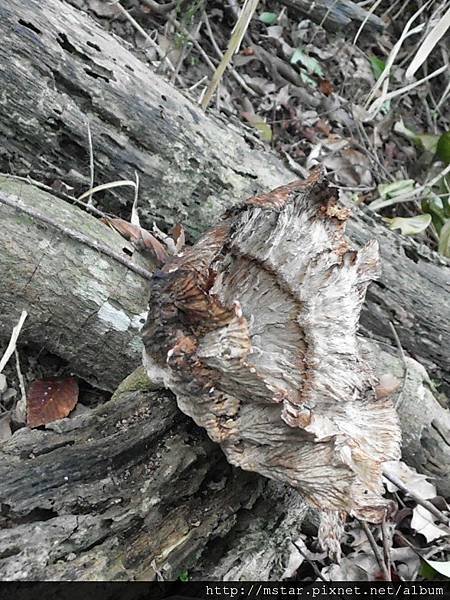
66	70
132	487
122	492
337	15
83	306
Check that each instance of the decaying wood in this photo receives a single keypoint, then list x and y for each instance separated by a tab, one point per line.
83	306
135	465
338	15
191	166
121	492
97	327
254	330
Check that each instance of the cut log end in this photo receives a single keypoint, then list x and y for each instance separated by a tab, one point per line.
254	328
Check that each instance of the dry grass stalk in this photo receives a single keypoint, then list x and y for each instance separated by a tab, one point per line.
233	47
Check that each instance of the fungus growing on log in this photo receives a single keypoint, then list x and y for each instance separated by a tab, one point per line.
254	330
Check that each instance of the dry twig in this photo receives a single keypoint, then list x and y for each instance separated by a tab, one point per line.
235	41
376	551
13	341
425	503
91	162
50	190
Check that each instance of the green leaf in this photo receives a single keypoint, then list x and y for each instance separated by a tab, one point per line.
268	18
307	79
444	243
377	65
265	131
389	191
425	141
310	63
410	225
434	205
183	576
443	568
443	148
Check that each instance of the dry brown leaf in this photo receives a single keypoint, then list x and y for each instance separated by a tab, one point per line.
178	236
50	400
139	237
326	87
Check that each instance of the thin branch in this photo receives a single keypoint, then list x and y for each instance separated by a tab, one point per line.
425	503
77	236
237	35
367	17
134	212
310	562
219	53
91	162
397	341
387	544
199	82
376	551
403	358
13	341
160	9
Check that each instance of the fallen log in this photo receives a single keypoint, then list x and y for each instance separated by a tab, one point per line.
191	166
132	488
122	492
338	15
83	306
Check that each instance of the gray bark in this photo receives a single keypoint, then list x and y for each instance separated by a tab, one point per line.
121	492
145	490
191	166
83	306
337	15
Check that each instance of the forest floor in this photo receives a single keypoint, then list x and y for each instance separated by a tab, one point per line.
343	99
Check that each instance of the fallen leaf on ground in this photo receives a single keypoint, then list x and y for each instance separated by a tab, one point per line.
416	482
326	87
50	400
422	521
410	225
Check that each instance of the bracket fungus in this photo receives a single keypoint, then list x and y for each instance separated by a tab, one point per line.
254	328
